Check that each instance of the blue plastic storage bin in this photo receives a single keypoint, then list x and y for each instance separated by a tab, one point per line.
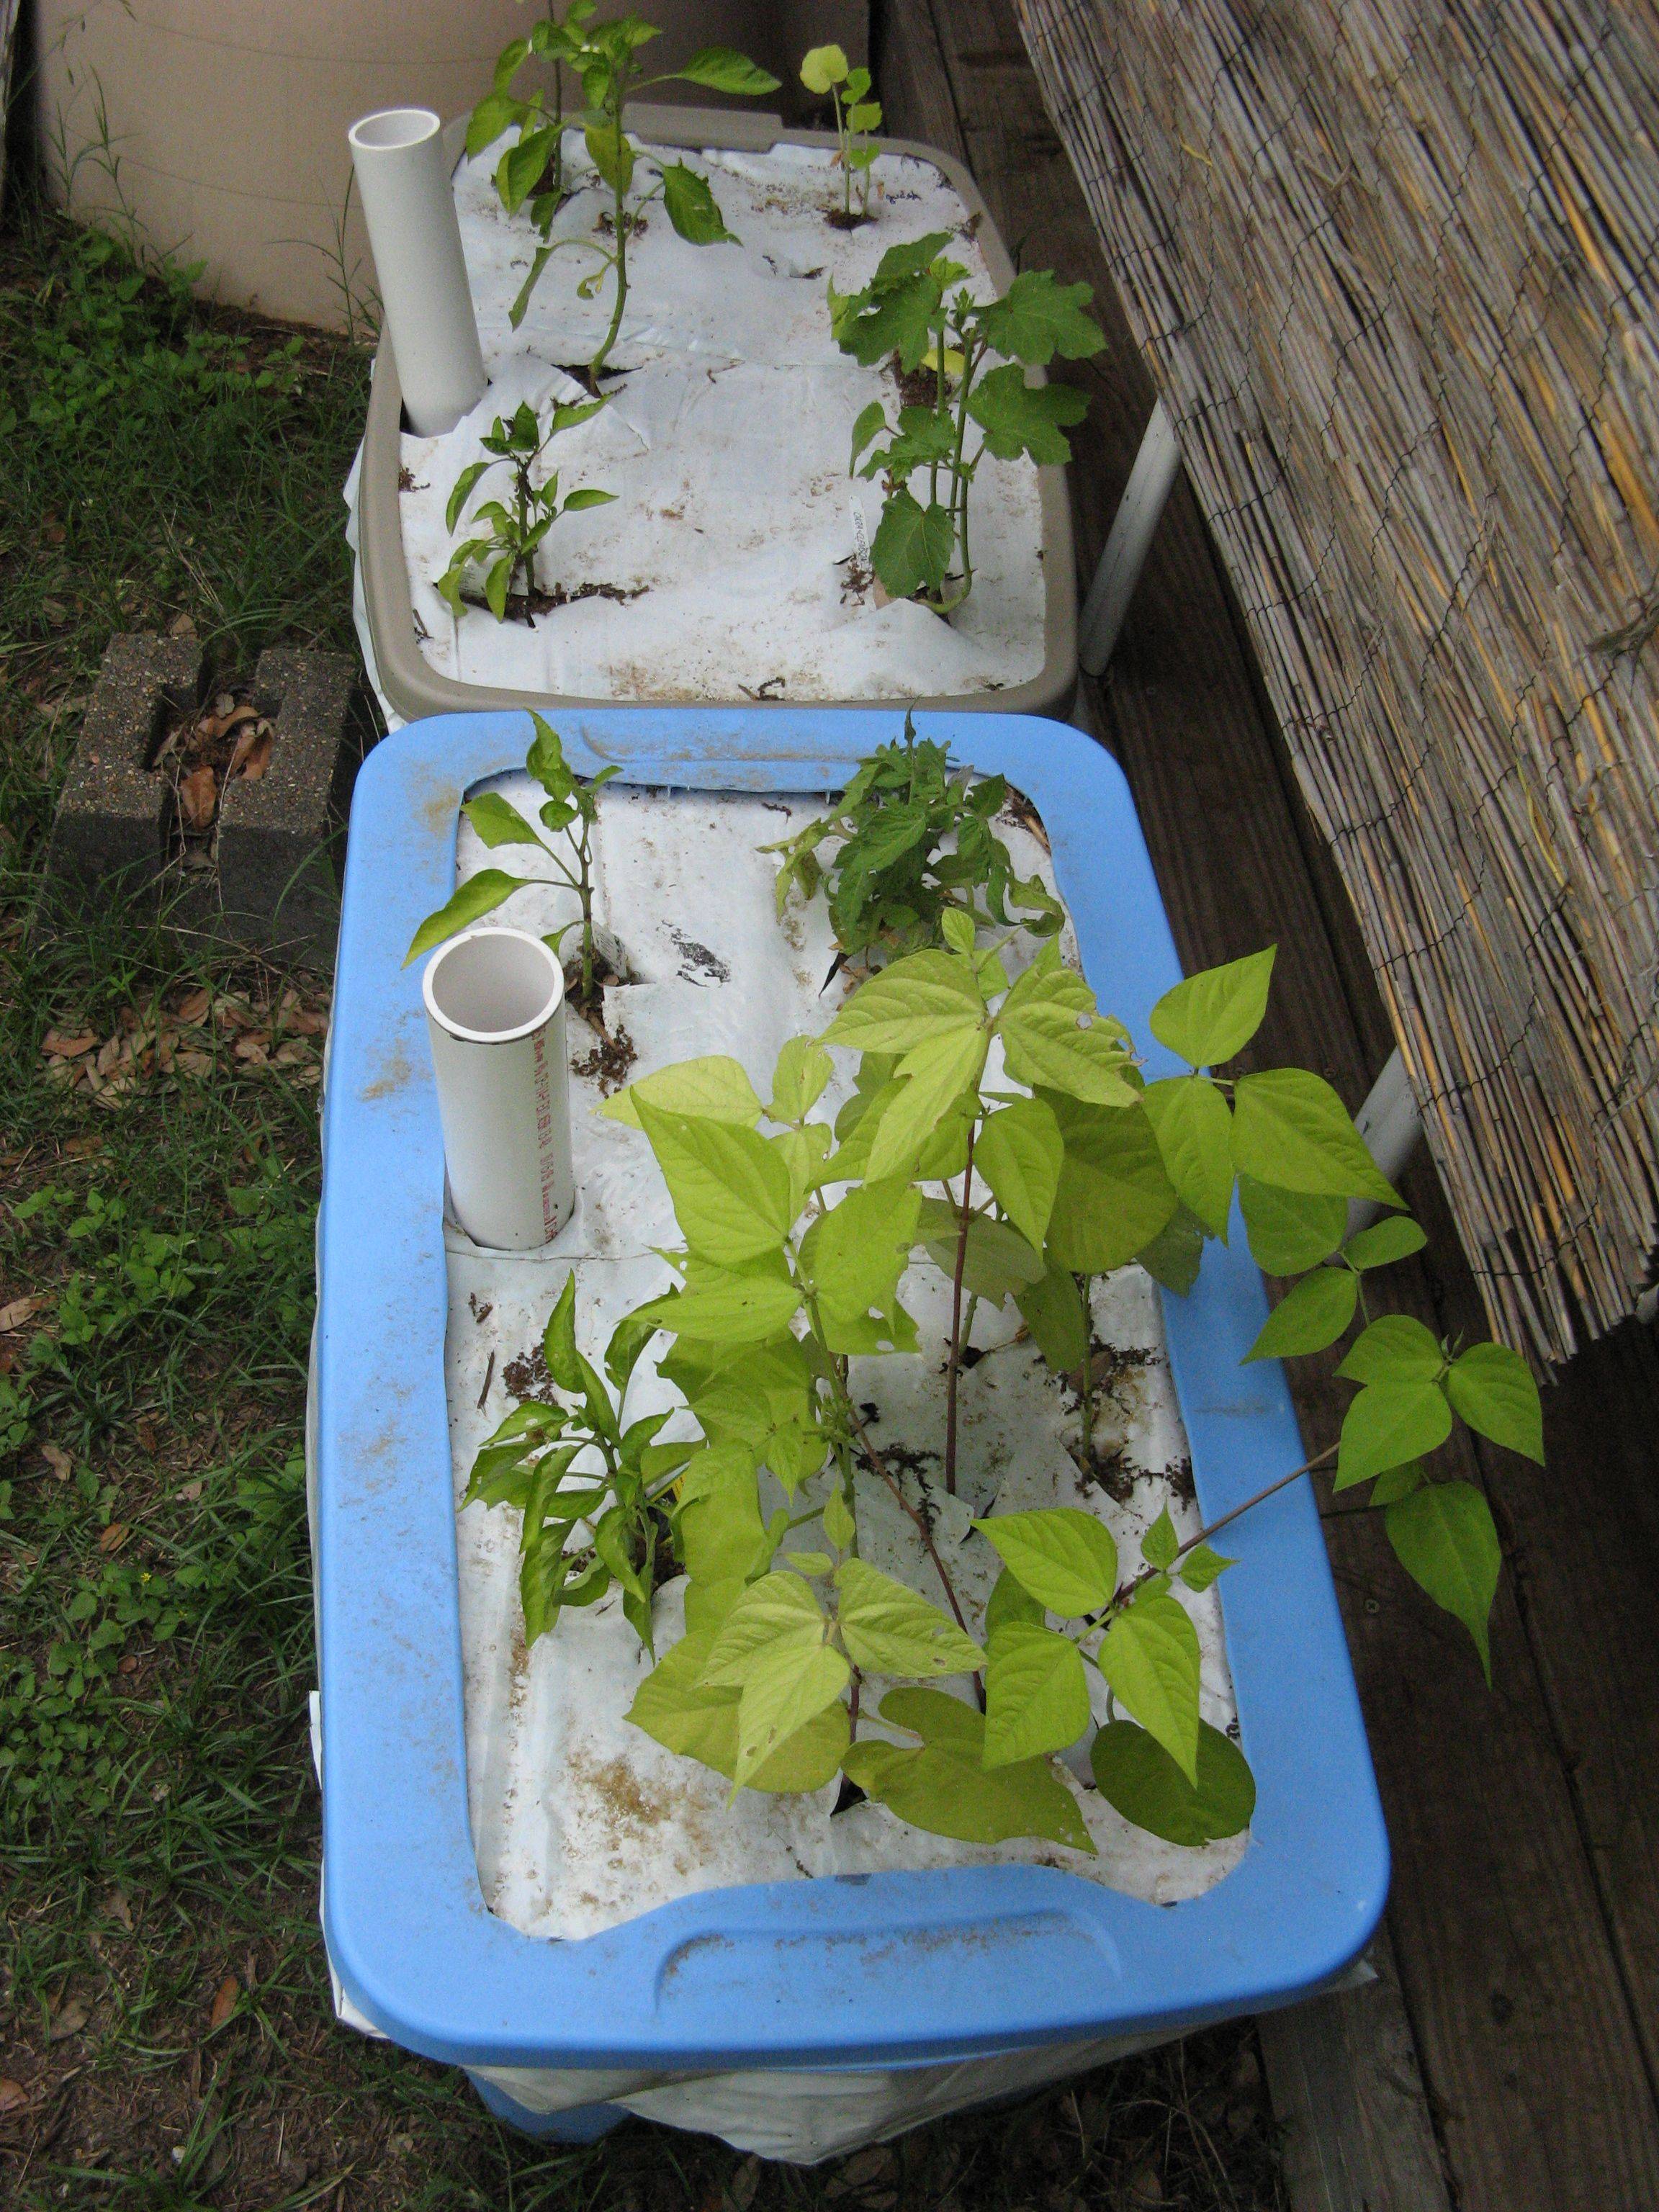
889	1970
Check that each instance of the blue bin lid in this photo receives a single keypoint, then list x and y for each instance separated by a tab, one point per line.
879	1969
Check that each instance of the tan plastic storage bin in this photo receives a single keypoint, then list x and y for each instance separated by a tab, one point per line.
224	121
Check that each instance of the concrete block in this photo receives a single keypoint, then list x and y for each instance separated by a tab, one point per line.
112	816
278	888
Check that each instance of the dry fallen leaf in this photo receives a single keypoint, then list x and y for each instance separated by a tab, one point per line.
114	1536
181	626
224	2003
82	1148
129	1665
13	2095
198	796
68	2019
251	757
253	1048
109	1055
194	1063
119	1909
294	1053
301	1023
149	1440
191	1490
57	1046
20	1311
58	1461
194	1008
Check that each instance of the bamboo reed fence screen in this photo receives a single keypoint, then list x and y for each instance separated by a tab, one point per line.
1394	268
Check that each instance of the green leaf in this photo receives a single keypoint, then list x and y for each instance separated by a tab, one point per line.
611	155
1113	1195
627	1340
945	1789
1037	319
1289	1232
1387	1424
522	167
839	1525
722	1537
1176	1253
1202	1566
1214	1015
579	502
1394	1238
712	1088
1053	1311
928	995
997	1262
1009	1601
730	1190
1137	1776
931	1077
478	895
1398	1482
1492	1388
726	1308
497	823
1160	1544
871	422
891	1629
774	1646
545	761
1443	1537
1036	1691
1054	1036
823	66
797	1081
462	485
495	112
1292	1130
722	69
1395	1349
1019	418
1149	1657
1195	1134
854	1255
1064	1557
559	1339
674	1706
913	544
691	207
1309	1317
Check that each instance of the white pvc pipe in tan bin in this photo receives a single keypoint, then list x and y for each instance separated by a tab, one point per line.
494	1008
403	181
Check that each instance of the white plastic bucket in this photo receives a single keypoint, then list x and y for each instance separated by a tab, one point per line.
495	1009
403	178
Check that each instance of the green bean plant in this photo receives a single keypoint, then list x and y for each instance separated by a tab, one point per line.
577	1467
825	70
571	813
506	549
796	1231
918	306
604	57
912	840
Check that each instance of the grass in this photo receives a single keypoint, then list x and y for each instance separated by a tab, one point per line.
168	2041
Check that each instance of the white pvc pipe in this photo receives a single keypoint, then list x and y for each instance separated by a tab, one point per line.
415	240
495	1009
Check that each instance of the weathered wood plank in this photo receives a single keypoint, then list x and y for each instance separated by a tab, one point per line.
1348	2092
1514	1990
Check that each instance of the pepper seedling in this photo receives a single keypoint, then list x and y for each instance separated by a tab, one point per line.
507	549
603	55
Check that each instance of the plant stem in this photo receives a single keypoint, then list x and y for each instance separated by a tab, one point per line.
919	1519
1213	1527
955	1365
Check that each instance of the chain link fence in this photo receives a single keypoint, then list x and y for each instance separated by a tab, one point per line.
1393	267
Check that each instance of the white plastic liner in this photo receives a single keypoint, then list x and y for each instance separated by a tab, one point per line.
726	443
580	1819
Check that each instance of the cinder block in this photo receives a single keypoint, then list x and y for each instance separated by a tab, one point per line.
276	881
111	820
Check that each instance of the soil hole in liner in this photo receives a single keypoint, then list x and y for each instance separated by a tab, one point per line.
523	607
918	387
839	219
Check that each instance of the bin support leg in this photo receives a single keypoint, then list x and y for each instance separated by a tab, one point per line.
1151	479
1390	1124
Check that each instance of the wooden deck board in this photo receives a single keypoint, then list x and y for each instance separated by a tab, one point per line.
1525	1824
